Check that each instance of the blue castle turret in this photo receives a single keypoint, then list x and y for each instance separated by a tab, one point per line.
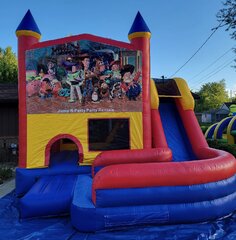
139	28
28	27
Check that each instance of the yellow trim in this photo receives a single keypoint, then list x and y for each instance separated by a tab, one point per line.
139	34
229	129
218	126
41	128
209	128
224	136
67	146
154	96
187	100
28	33
170	96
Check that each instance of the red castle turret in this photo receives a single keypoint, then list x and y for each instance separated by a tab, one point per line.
140	35
28	34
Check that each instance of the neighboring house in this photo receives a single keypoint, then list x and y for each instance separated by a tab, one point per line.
224	109
222	112
208	116
8	121
216	115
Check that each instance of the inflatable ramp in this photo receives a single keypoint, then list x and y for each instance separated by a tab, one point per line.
50	195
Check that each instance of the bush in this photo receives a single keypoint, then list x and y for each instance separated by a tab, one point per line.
223	146
5	174
205	126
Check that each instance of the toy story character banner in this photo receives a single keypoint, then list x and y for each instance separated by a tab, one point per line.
83	76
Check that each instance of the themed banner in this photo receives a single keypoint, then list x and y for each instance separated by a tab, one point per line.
83	76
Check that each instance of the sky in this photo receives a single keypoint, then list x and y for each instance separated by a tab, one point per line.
178	27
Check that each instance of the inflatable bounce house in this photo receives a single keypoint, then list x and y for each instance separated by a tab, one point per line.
228	125
101	141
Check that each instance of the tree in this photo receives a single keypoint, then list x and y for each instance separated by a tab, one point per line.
227	16
212	96
8	66
233	99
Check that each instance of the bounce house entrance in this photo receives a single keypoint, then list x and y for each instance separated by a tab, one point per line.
63	152
64	144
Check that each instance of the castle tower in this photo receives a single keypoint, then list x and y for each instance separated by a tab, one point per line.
139	35
28	34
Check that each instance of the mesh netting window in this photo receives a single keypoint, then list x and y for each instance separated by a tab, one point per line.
109	134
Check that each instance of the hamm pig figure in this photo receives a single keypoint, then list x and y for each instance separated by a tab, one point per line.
32	88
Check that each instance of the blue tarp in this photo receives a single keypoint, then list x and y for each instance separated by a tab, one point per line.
61	228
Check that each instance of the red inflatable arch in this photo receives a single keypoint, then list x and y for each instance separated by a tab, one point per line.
61	136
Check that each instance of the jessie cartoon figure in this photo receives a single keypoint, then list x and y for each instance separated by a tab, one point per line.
129	82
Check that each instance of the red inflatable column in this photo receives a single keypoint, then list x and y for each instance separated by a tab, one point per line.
28	34
139	36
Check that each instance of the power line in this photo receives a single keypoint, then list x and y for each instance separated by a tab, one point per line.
226	65
197	49
219	67
215	61
215	71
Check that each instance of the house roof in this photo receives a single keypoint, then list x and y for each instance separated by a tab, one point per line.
228	104
211	111
8	92
222	111
195	95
